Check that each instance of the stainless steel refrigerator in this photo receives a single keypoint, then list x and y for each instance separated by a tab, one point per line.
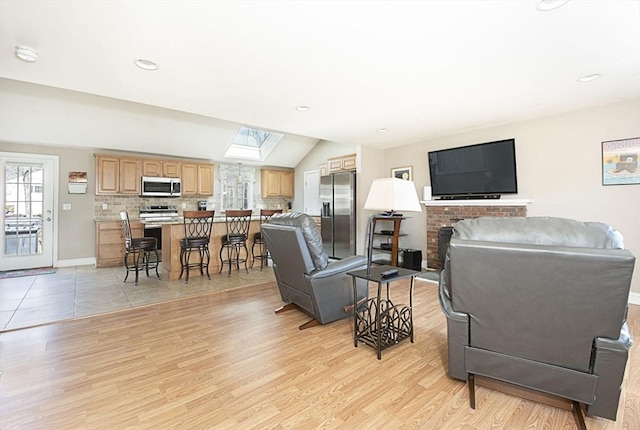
338	217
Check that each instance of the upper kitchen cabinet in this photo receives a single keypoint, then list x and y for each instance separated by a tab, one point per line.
197	179
277	183
115	175
107	174
342	164
130	175
164	168
324	169
205	179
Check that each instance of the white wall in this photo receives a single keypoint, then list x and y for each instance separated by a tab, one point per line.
369	166
559	168
42	115
318	155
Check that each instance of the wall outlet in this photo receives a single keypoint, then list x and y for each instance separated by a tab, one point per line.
66	206
184	205
105	206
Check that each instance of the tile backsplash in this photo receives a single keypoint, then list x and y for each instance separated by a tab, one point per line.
118	203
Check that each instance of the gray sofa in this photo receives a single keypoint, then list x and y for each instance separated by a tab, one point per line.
306	279
540	303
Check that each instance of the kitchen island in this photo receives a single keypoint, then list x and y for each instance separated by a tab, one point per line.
173	232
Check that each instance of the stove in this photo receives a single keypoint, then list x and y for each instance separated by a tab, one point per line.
159	214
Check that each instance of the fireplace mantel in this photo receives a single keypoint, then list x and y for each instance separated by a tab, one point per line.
479	202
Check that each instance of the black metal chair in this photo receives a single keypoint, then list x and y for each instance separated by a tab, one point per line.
139	247
197	234
238	222
263	256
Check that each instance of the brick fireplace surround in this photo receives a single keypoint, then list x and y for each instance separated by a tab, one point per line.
445	213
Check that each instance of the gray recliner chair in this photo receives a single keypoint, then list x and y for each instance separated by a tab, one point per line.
305	277
540	303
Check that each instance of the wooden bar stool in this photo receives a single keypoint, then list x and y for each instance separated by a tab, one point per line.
263	256
197	234
238	222
139	247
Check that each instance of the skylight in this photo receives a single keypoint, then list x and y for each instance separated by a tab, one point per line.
253	144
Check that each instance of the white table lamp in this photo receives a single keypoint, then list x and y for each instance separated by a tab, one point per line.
390	195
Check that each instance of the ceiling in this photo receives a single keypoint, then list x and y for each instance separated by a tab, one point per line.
418	69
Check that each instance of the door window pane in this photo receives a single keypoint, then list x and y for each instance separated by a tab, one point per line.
23	209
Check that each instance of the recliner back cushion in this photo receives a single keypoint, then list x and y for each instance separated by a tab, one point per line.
310	232
547	231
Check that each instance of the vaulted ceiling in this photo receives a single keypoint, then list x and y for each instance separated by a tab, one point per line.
413	69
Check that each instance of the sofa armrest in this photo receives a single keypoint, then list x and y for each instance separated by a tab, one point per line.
332	289
341	266
609	363
457	333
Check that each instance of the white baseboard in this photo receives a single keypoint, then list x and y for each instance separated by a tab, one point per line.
76	262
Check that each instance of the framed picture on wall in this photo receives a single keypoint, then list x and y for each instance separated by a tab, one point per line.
405	173
620	165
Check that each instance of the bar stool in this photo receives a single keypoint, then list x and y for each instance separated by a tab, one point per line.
139	247
197	233
235	240
265	216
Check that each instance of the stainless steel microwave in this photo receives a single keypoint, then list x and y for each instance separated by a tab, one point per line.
161	187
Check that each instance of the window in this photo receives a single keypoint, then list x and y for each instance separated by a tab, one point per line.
253	144
236	185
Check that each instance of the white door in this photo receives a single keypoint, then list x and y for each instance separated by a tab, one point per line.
29	191
312	193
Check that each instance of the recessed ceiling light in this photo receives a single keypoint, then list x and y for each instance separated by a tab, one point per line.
302	108
145	64
545	5
383	130
589	78
26	54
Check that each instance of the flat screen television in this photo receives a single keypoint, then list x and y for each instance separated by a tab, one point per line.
484	170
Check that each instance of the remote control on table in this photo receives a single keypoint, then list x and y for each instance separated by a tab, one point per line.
389	272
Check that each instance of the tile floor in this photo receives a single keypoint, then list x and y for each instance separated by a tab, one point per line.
79	291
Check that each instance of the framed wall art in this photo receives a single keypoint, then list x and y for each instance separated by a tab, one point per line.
405	173
620	164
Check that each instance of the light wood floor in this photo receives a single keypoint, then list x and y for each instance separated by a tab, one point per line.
225	360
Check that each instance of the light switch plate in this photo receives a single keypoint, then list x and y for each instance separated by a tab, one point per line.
66	206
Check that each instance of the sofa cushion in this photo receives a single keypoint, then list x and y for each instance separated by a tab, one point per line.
547	231
310	232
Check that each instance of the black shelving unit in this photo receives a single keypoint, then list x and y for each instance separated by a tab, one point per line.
386	232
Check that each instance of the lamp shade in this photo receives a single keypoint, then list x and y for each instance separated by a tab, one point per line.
393	194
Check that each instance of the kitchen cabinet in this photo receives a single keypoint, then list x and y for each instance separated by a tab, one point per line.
342	164
164	168
151	168
110	242
189	179
277	183
205	179
130	176
197	179
122	175
171	169
115	175
107	174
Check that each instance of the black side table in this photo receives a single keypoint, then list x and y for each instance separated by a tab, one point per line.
380	323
